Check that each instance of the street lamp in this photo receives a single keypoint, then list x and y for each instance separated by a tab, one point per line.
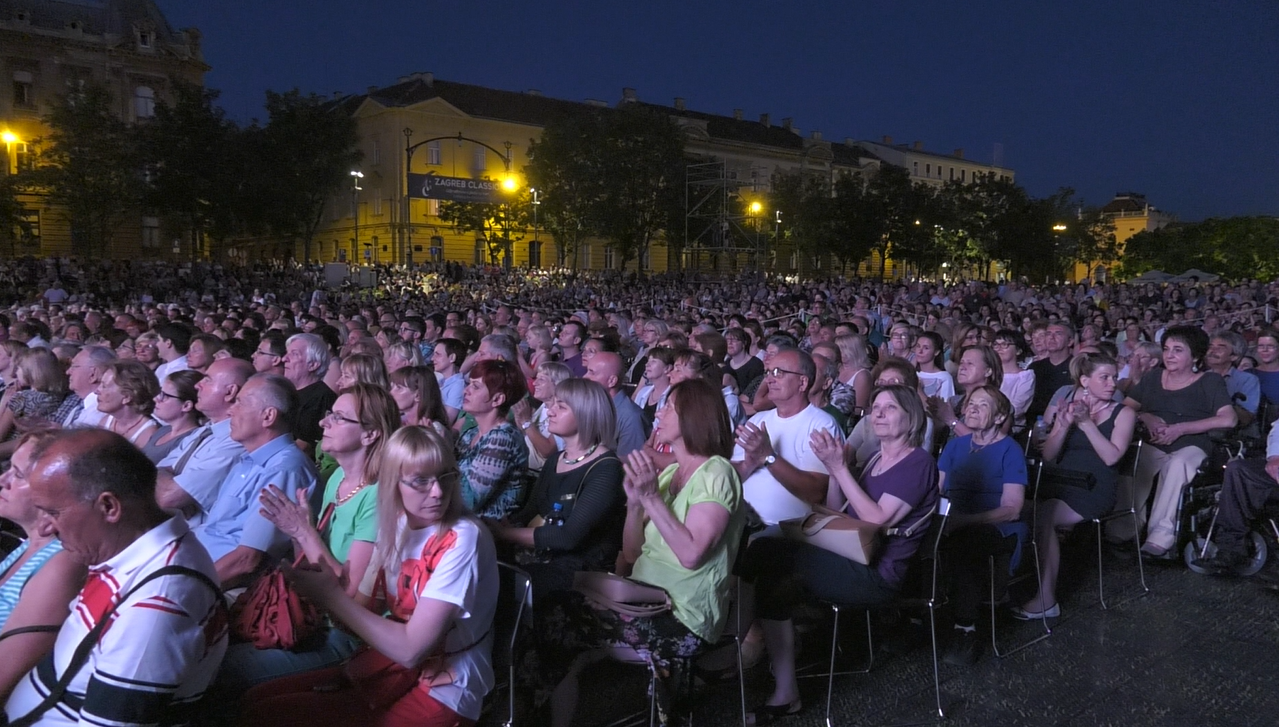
355	213
1059	227
537	244
10	139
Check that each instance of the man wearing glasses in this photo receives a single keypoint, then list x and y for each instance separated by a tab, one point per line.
781	477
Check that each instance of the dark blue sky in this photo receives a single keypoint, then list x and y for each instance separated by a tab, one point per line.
1168	98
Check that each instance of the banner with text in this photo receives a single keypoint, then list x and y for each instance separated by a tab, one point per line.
455	189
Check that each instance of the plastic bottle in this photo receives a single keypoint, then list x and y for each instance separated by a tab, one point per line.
557	515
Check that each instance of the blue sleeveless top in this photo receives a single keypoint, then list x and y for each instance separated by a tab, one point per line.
11	589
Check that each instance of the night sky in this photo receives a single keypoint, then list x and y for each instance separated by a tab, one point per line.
1169	99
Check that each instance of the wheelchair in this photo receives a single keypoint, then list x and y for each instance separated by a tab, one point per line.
1197	510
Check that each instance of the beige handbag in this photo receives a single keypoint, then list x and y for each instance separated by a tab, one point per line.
622	595
845	536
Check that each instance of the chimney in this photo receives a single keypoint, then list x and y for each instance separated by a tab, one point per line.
888	141
918	146
959	153
628	95
816	136
848	141
679	104
337	95
737	114
787	123
533	92
763	119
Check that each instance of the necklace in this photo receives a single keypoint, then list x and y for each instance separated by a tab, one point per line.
352	493
589	452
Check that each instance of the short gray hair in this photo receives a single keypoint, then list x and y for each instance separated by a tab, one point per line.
503	345
99	357
317	352
278	393
1238	346
593	408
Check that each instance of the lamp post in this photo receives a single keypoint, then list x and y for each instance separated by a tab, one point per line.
537	202
9	139
356	176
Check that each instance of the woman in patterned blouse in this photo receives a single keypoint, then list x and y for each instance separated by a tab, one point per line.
492	455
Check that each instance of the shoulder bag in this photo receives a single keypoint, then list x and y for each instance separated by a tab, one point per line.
81	654
625	596
270	614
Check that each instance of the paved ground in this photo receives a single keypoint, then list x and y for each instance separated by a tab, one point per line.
1195	651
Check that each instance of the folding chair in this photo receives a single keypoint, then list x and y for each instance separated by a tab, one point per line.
1034	546
931	601
516	593
1134	451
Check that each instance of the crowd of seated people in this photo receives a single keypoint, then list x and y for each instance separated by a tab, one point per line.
397	442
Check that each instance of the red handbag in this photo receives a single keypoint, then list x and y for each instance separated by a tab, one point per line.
271	615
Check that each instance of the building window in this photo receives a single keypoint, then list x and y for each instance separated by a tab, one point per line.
24	90
145	39
587	262
480	257
535	254
432	208
914	172
143	102
952	174
377	204
377	152
150	232
27	230
433	153
24	156
928	170
481	158
963	175
609	257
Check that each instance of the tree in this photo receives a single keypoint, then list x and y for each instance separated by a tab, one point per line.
89	166
641	180
307	151
195	166
10	212
566	169
498	223
803	199
1234	247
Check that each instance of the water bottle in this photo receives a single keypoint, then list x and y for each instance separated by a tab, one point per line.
1041	429
557	515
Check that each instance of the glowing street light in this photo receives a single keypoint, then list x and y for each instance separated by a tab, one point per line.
9	137
756	207
1059	227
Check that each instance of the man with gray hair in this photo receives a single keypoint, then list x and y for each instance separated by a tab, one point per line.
84	375
497	346
306	360
1225	349
235	533
149	581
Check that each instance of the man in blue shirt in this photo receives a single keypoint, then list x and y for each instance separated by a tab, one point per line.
235	533
1225	349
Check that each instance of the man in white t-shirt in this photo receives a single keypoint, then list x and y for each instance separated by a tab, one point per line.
781	477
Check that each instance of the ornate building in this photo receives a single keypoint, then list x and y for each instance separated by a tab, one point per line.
49	47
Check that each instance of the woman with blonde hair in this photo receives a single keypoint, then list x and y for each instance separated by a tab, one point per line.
434	570
356	431
534	423
573	519
539	349
362	368
855	366
41	388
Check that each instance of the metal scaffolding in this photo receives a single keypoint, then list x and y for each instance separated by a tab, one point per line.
719	233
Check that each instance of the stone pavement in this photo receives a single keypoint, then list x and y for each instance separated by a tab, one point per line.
1195	651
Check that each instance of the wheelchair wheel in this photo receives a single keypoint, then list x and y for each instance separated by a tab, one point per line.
1258	552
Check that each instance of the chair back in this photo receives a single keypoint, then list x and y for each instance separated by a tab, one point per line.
515	599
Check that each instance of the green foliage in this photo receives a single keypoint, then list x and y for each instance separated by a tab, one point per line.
10	211
1236	248
499	224
197	165
90	167
304	154
566	169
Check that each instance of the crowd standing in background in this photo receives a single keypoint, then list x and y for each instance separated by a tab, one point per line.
172	432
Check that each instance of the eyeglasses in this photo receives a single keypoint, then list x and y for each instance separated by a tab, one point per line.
777	371
165	396
424	483
263	353
334	416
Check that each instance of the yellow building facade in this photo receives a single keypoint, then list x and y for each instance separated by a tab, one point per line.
1130	213
47	48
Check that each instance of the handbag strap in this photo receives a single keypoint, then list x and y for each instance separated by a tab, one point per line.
582	482
913	528
42	629
81	655
186	456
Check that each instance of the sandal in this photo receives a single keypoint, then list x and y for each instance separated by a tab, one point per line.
766	713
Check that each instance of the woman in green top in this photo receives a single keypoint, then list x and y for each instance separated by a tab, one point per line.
362	419
683	525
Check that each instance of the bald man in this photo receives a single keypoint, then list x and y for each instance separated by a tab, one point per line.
190	474
606	368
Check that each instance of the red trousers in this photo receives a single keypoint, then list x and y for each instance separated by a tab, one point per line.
324	698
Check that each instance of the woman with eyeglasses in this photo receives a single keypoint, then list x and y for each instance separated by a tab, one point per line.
175	407
434	572
1019	383
356	429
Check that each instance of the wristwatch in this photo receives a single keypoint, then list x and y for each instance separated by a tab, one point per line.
525	425
770	460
